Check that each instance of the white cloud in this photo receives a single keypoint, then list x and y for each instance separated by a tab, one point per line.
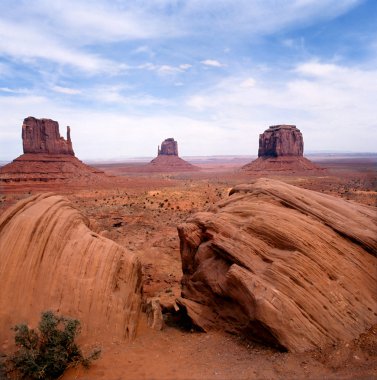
212	62
6	89
66	90
314	68
25	42
322	98
115	95
247	83
264	17
100	21
144	49
185	66
165	69
71	28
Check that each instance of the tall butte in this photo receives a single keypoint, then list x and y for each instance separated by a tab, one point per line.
281	148
168	160
42	136
47	157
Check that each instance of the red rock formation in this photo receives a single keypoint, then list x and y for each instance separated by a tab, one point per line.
42	136
169	163
51	260
281	140
283	265
167	159
281	148
49	168
169	147
47	158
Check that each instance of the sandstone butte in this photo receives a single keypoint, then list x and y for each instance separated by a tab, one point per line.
281	148
42	136
47	157
283	265
51	260
168	160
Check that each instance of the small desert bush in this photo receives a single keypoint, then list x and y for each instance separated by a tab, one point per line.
46	352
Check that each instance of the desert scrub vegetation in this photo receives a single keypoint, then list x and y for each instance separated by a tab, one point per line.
46	352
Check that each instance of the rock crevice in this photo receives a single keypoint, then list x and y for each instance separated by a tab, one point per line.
283	265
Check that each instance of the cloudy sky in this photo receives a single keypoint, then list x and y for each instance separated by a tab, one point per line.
213	74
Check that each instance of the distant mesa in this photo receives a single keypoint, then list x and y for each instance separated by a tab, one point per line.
167	159
169	147
281	147
47	157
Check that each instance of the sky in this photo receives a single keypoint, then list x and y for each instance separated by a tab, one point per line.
213	74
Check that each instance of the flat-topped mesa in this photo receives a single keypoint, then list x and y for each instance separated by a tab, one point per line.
281	140
281	148
42	136
169	147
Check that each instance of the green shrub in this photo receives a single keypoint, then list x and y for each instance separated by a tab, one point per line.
46	352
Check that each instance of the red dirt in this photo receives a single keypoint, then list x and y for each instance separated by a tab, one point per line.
141	212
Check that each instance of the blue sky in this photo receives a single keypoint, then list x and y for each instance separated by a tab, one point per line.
213	74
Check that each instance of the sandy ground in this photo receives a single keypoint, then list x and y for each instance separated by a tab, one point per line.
141	212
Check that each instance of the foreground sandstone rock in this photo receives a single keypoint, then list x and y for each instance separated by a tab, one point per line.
51	260
281	147
280	264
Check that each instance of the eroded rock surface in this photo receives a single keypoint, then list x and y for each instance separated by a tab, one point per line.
169	147
49	168
281	140
287	266
281	148
51	260
42	136
48	158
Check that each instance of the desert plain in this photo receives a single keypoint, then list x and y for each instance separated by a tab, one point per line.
141	211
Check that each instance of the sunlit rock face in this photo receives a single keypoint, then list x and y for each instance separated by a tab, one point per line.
281	148
282	265
51	260
42	136
281	140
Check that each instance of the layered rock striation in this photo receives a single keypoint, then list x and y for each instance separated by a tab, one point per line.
47	158
51	260
281	140
42	136
281	147
282	265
